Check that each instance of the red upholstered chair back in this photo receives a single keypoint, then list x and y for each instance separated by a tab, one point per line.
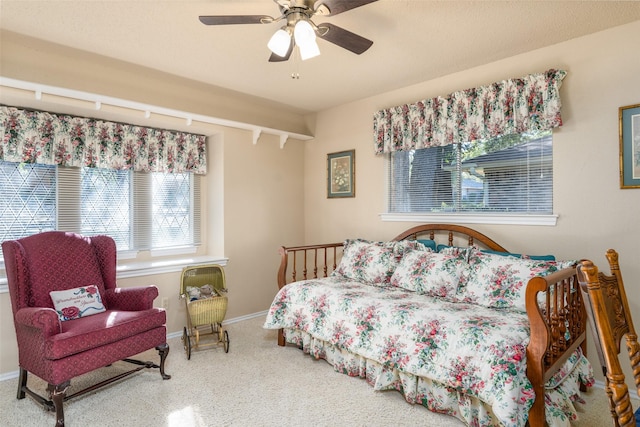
56	260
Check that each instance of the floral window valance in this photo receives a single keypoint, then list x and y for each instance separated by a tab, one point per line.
56	139
528	104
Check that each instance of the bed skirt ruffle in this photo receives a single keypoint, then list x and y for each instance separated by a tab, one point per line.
561	392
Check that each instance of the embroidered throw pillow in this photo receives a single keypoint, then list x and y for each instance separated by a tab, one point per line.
78	302
497	281
430	273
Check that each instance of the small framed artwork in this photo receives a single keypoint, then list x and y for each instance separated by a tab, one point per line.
341	174
629	117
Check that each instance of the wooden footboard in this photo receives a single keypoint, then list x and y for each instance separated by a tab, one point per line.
558	327
554	303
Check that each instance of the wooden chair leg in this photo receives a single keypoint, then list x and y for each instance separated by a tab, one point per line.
57	394
164	351
612	405
22	383
620	399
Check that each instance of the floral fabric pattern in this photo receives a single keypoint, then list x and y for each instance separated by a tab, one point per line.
430	273
528	104
372	262
462	359
56	139
559	398
500	282
465	347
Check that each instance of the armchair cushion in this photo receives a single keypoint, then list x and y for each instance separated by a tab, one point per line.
77	302
100	330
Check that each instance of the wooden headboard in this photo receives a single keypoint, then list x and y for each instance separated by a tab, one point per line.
313	261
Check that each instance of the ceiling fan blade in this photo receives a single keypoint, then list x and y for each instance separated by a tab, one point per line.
235	19
338	6
343	38
277	58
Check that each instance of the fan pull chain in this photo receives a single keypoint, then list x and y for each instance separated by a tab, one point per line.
295	75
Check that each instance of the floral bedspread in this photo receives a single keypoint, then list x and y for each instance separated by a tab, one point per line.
476	351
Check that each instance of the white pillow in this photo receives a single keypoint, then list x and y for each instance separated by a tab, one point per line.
78	302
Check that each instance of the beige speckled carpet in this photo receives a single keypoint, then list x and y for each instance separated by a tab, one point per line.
256	384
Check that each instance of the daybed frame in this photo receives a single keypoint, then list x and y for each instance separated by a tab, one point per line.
548	347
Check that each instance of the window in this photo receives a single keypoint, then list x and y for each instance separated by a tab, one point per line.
510	175
139	210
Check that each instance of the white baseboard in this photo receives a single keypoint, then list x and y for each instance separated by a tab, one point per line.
177	334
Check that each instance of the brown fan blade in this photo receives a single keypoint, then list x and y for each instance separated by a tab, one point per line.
277	58
338	6
343	38
235	19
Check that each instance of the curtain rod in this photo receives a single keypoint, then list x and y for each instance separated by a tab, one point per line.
147	109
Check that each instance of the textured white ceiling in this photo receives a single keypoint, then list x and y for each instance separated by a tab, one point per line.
414	40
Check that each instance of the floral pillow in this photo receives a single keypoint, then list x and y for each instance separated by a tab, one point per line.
403	246
78	302
430	273
497	281
371	262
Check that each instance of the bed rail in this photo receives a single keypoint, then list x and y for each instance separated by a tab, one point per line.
310	260
558	327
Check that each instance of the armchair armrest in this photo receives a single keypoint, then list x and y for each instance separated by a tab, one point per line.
44	319
131	299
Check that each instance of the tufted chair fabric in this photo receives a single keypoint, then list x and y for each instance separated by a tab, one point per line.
58	351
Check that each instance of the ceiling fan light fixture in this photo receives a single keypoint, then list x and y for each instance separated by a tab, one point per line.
305	38
280	42
310	50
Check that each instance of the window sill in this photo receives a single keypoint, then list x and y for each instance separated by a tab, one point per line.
167	266
139	269
463	218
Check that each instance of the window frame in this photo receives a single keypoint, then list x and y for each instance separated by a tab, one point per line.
497	218
175	256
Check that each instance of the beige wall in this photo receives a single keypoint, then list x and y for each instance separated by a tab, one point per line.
594	213
257	191
32	60
252	193
266	197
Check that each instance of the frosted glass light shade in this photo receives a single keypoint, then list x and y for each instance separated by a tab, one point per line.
280	42
305	38
309	50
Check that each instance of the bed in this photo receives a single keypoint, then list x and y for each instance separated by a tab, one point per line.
517	357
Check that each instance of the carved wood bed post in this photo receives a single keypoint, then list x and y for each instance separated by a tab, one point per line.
282	280
536	350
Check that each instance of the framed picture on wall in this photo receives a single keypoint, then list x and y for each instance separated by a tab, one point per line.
629	117
341	174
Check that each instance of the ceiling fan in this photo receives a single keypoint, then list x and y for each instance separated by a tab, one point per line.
299	30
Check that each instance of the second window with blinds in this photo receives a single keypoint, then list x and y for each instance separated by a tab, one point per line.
512	174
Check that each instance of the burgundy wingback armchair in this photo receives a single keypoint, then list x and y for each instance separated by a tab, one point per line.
57	350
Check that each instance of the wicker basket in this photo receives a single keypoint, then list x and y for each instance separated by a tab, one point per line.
210	310
207	311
